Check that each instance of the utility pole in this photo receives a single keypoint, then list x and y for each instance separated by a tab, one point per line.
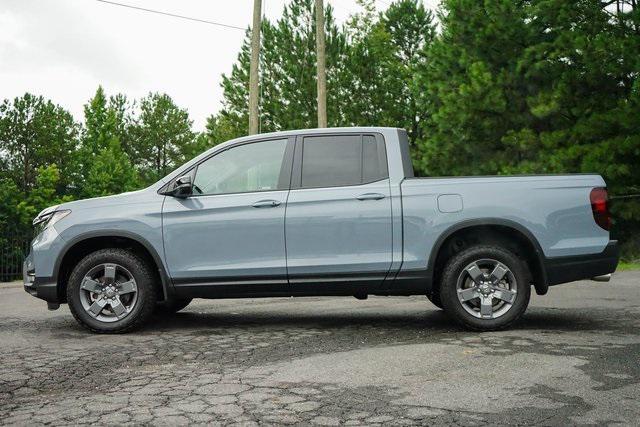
321	66
253	69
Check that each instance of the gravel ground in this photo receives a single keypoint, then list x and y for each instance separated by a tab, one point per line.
573	359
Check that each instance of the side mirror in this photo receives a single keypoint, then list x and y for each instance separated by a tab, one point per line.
182	187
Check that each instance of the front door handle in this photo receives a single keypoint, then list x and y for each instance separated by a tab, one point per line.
370	196
266	204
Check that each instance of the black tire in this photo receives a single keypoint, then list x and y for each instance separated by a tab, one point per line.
171	306
435	299
146	291
453	271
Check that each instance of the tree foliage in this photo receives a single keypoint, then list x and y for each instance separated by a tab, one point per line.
163	136
35	132
372	64
543	86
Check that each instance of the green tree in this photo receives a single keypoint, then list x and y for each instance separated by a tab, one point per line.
105	166
99	123
163	137
372	64
110	172
473	93
218	129
386	54
43	194
583	65
35	132
287	73
543	86
125	120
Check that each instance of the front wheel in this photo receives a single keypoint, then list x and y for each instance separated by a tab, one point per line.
111	291
485	287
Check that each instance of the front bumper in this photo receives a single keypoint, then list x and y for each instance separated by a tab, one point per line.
45	288
571	268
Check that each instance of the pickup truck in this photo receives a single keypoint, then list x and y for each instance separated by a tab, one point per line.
320	212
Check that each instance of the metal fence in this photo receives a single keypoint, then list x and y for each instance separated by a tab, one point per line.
13	249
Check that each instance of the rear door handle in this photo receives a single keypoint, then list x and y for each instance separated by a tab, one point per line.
370	196
266	204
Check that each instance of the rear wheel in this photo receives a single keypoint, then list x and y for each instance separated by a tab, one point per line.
485	287
111	291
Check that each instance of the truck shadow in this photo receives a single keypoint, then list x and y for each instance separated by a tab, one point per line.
433	321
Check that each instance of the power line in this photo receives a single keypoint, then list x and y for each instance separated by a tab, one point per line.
173	15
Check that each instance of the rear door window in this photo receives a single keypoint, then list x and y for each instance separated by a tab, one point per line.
342	160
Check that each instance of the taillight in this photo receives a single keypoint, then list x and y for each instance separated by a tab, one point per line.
600	208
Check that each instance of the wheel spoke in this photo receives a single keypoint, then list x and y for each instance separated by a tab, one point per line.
126	287
117	307
110	273
505	295
97	307
468	294
486	306
476	274
498	273
88	284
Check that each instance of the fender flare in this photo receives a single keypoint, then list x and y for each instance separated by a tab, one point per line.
541	285
167	288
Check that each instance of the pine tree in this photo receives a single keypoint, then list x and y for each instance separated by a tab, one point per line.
111	172
287	73
105	166
163	138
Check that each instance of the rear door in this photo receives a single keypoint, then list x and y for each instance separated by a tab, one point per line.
338	218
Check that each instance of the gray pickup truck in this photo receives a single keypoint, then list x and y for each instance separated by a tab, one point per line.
320	212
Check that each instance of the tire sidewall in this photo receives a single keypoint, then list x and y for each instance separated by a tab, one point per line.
455	266
138	269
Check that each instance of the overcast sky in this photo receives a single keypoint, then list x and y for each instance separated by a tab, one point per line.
63	49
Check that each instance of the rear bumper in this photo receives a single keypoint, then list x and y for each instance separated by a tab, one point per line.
571	268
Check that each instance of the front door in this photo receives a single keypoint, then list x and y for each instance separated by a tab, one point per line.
231	230
338	221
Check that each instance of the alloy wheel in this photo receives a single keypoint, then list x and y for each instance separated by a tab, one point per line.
108	292
486	288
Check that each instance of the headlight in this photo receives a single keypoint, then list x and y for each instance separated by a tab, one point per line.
48	219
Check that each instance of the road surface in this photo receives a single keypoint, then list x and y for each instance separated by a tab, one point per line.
573	359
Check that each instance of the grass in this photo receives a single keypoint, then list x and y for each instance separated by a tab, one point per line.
627	266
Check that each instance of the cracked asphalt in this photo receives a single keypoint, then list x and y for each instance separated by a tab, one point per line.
573	359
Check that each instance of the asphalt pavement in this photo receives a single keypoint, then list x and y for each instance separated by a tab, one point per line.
573	359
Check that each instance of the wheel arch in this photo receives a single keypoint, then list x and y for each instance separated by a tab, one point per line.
496	230
86	243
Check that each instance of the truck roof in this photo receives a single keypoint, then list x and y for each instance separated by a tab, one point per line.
318	131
